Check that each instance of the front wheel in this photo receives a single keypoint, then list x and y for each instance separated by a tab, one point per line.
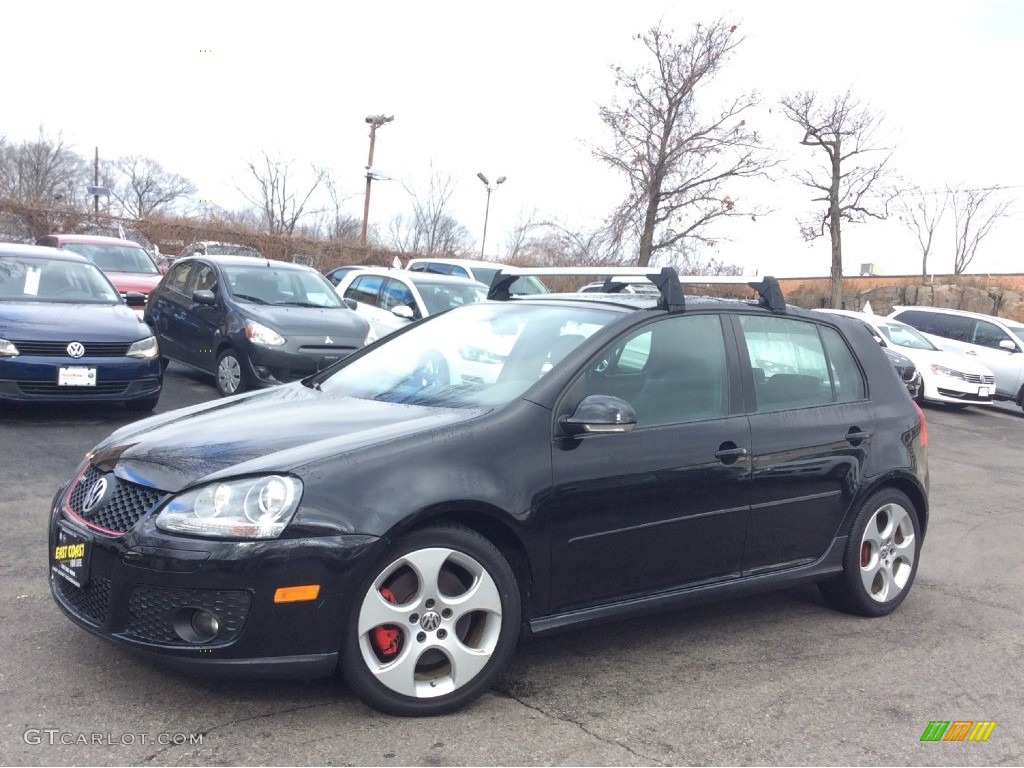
433	625
881	557
231	376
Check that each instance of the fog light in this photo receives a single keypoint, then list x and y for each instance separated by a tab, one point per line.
205	624
195	625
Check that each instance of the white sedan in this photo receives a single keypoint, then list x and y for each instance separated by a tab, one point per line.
947	378
392	298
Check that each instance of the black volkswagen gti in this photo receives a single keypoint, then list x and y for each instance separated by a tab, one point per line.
508	468
251	322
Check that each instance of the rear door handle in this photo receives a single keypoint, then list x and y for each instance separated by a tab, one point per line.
855	435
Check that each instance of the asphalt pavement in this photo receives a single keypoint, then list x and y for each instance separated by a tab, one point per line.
776	679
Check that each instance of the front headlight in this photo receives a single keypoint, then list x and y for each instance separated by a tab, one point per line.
258	333
253	508
144	348
941	370
7	348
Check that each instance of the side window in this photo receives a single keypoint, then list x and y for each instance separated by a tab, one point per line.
672	371
789	364
396	293
459	272
205	278
847	379
951	327
365	289
178	277
989	334
916	317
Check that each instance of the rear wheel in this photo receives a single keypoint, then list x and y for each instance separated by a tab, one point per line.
433	625
881	557
231	376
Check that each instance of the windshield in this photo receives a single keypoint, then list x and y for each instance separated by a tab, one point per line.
116	258
280	286
53	280
442	296
902	335
1017	328
480	355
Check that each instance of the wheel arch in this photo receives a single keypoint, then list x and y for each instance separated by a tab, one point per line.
907	486
486	521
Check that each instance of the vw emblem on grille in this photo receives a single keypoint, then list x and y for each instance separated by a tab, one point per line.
94	496
430	621
328	340
76	349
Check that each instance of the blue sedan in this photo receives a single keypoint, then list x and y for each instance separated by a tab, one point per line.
66	335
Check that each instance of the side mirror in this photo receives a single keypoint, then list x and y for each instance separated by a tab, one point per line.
351	303
404	311
1009	346
204	297
600	414
135	300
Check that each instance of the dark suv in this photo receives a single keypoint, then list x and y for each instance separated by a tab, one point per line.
510	467
251	322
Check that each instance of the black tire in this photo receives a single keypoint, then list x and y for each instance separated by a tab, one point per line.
145	404
230	376
881	557
410	665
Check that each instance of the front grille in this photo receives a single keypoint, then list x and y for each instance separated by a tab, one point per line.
122	509
60	348
88	603
152	612
973	378
52	388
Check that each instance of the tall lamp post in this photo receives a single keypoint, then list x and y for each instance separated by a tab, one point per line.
487	210
375	121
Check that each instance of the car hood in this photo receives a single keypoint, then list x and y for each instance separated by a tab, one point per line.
924	357
53	321
133	281
308	321
272	430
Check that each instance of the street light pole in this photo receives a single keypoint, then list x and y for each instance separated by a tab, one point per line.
487	209
375	122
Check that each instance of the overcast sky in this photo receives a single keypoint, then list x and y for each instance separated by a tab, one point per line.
513	89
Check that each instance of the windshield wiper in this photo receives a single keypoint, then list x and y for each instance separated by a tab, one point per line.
298	304
253	299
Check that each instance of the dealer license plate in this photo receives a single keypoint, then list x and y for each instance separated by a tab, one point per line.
76	376
983	392
70	556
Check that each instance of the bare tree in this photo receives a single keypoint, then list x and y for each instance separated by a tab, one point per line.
921	211
335	224
281	207
142	187
43	172
975	213
680	164
431	230
847	183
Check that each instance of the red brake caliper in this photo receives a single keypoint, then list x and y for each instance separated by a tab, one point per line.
385	637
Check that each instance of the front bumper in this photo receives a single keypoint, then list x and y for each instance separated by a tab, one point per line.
298	358
140	589
32	378
949	389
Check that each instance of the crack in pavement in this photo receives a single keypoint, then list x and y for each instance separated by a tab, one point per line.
647	759
236	721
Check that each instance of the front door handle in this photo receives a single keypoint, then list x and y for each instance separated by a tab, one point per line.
728	452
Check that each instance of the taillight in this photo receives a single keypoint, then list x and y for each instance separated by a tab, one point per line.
924	425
